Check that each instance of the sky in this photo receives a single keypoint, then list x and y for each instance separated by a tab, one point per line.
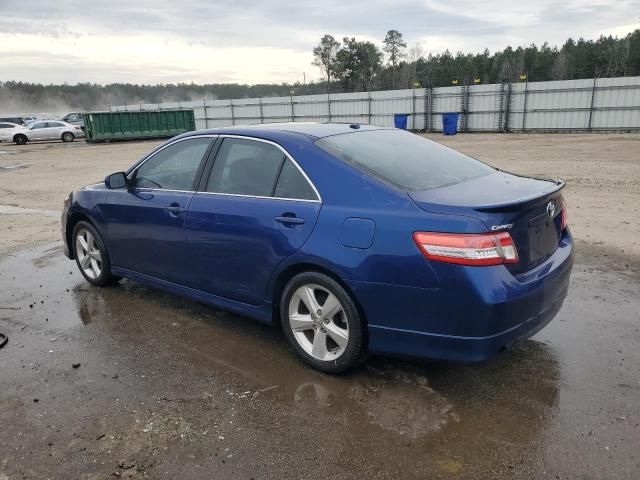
267	41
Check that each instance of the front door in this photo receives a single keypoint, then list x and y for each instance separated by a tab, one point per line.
147	220
39	131
257	209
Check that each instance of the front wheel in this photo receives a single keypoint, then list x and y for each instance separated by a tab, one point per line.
20	139
91	255
68	137
322	323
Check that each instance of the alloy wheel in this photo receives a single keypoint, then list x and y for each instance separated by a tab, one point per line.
88	253
318	322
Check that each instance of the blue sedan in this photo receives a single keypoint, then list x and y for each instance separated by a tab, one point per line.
354	239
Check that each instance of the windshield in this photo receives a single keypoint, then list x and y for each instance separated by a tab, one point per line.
404	159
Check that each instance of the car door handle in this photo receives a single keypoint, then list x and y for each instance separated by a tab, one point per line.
174	209
290	220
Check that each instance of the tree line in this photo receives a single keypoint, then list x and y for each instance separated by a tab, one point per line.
353	65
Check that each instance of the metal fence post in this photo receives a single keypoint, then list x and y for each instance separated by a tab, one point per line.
261	115
329	105
293	115
428	109
593	99
204	110
413	108
233	119
465	107
507	110
369	108
524	110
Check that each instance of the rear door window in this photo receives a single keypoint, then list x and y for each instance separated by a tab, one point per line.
403	159
292	184
246	167
174	167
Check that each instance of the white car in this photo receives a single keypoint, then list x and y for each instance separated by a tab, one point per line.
48	130
8	131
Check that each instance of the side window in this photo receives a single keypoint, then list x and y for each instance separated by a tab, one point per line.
40	125
54	124
245	167
6	125
174	167
292	184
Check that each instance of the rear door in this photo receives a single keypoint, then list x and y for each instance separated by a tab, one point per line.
55	130
147	221
256	208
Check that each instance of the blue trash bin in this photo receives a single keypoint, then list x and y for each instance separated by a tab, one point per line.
450	123
400	120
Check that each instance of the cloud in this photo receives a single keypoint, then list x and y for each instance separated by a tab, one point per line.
267	41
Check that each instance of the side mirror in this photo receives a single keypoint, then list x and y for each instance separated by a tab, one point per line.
116	180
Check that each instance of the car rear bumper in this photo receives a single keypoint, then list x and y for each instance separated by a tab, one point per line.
474	313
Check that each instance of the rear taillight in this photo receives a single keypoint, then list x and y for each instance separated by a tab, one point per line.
563	218
466	248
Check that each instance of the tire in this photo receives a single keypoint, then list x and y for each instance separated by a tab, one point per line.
331	342
20	139
96	269
68	137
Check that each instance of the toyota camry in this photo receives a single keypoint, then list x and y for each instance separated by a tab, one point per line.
353	239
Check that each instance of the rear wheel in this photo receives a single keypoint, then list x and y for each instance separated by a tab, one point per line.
91	255
20	139
68	137
322	322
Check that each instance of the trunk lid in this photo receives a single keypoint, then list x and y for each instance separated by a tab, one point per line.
528	208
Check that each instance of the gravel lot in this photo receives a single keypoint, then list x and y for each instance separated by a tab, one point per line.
130	382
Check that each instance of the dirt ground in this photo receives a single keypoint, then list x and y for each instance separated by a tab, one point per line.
602	174
131	382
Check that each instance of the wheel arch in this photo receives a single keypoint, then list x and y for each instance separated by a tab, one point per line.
284	276
20	135
72	221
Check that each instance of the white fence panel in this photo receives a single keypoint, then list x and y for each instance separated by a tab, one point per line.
567	105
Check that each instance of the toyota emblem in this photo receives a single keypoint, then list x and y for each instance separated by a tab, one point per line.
551	209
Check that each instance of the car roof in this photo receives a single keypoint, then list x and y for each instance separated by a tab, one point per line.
316	130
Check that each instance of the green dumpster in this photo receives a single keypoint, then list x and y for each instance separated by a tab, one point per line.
114	126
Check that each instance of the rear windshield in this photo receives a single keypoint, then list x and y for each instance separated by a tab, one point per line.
404	159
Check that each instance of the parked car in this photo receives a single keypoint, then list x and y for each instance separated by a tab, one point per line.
353	238
48	130
76	118
9	130
16	120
